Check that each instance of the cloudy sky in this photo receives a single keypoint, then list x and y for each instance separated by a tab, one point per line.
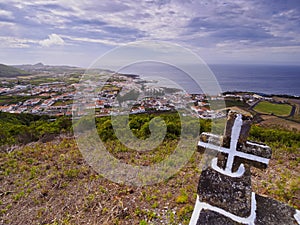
76	32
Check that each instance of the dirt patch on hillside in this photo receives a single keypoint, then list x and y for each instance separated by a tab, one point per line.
274	121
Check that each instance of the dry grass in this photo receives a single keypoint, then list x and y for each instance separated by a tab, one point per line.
281	180
273	121
50	183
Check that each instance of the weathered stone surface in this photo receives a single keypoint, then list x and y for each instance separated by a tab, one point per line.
270	211
228	193
255	148
213	218
248	147
210	138
247	121
222	188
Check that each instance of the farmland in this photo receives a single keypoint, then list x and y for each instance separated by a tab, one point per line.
273	108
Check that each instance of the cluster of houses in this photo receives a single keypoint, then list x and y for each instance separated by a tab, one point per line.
43	99
119	95
13	90
42	106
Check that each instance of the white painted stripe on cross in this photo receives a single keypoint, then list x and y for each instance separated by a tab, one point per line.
237	153
199	206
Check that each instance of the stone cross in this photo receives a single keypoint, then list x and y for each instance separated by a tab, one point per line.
224	191
235	148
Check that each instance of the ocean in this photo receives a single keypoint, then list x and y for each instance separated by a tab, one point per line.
267	79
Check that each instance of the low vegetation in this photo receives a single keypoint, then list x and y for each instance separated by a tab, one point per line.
50	182
19	129
273	108
9	71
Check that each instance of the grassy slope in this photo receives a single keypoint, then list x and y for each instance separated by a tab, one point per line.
276	109
51	184
11	72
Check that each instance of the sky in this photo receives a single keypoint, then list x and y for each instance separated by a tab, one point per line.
77	32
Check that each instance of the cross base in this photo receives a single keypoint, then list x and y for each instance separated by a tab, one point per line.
232	194
265	211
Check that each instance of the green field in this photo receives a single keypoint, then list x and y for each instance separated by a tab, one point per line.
273	108
6	99
63	103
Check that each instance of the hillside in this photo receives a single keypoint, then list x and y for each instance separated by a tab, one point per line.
11	72
50	182
41	68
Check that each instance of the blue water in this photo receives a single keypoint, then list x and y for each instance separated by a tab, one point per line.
268	79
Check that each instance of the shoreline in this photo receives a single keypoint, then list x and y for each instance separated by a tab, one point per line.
263	94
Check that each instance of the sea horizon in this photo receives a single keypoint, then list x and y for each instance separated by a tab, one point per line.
259	78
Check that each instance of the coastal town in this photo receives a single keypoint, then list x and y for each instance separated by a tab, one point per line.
119	94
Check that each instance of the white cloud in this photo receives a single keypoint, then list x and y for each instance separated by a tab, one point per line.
52	40
211	26
13	42
7	25
91	40
6	14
